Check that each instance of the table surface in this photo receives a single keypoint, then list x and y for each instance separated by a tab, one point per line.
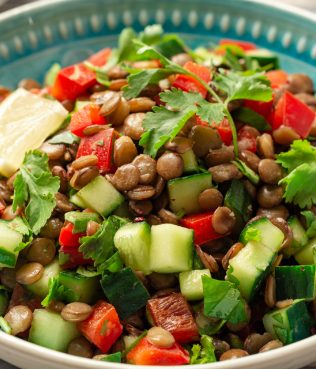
8	4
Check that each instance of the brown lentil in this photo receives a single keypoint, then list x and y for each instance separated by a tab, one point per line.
265	146
117	72
147	168
124	151
62	203
269	171
204	139
141	193
141	104
29	84
270	294
41	250
133	125
59	171
170	165
210	199
8	278
269	196
118	84
29	273
161	201
279	211
167	216
159	186
220	346
76	312
284	303
159	337
274	344
207	260
153	219
251	188
110	102
92	227
9	214
84	176
80	347
278	260
19	318
141	208
56	306
223	220
84	161
251	159
52	228
284	135
181	58
225	172
5	191
231	253
162	281
93	129
179	144
287	231
126	177
299	82
53	151
222	155
121	112
233	354
255	341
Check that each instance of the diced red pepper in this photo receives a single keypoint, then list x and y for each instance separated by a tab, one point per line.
103	326
246	139
173	313
202	226
225	131
72	82
244	45
68	239
100	58
85	117
188	83
101	145
145	353
292	112
277	78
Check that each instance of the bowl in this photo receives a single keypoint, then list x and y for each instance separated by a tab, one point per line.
66	31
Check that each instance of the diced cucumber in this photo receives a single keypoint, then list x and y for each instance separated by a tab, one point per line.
184	192
191	285
133	243
249	268
83	289
41	287
101	196
289	324
51	74
269	235
125	291
264	58
75	199
81	219
300	238
171	248
306	255
295	282
190	164
4	300
50	330
9	241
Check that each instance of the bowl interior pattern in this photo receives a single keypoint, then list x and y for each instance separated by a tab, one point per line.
68	31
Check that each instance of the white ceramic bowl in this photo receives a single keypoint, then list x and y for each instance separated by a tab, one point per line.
29	356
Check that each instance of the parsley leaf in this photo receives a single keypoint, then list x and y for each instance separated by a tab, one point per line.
100	246
203	353
300	162
310	223
245	85
35	187
223	300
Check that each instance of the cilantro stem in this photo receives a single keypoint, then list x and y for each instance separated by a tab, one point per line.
225	108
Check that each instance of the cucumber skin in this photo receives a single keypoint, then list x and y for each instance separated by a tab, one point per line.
290	324
300	238
50	330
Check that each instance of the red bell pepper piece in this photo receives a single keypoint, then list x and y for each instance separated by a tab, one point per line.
100	58
277	78
145	353
243	45
103	326
173	313
68	239
72	82
188	83
246	140
202	226
292	112
101	145
85	117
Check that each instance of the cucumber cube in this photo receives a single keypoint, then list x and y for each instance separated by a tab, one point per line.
190	164
184	192
191	285
289	324
306	255
300	238
50	330
9	241
101	196
133	244
171	248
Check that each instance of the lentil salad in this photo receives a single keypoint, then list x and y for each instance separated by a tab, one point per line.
171	218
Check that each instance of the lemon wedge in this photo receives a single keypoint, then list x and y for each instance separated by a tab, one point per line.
26	120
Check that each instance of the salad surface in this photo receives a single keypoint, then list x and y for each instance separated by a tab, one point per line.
158	203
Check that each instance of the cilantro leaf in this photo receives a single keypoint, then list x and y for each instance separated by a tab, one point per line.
35	187
245	85
222	300
300	162
211	112
203	353
56	292
100	246
251	234
162	125
152	34
177	99
310	223
65	137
